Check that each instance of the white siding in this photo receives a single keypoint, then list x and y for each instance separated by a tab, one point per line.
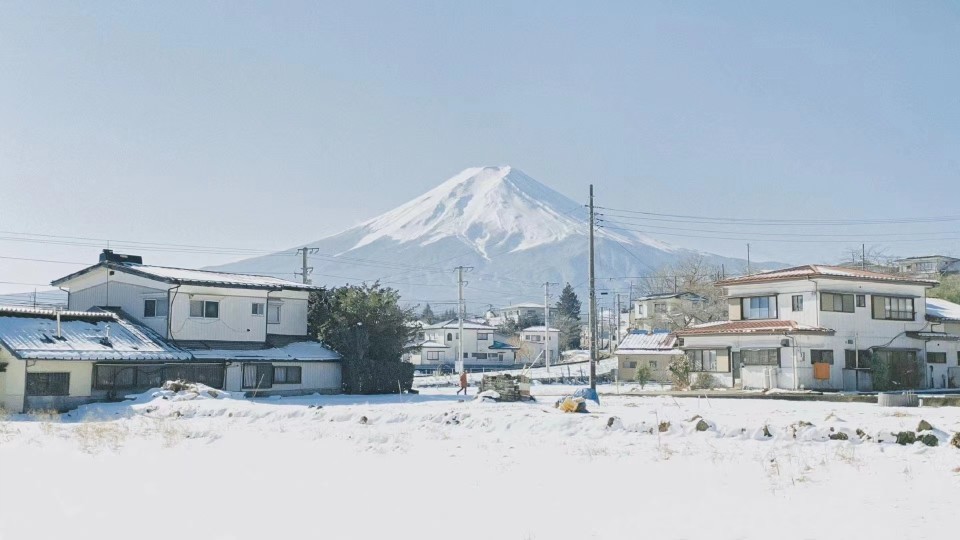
315	377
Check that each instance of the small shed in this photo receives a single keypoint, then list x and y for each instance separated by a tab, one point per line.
652	349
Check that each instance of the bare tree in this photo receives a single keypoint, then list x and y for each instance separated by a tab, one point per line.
702	300
871	257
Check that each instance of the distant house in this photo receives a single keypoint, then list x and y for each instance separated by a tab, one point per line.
482	347
929	266
537	339
654	350
661	311
517	312
250	331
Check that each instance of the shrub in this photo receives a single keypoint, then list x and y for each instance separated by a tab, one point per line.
704	381
644	373
680	372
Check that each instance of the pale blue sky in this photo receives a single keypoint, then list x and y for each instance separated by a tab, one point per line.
265	125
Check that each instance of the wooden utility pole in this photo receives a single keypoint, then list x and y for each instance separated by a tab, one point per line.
592	317
461	310
305	270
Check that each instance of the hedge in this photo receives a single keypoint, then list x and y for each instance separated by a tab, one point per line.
376	376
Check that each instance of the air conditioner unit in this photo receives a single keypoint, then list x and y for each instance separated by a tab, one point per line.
784	342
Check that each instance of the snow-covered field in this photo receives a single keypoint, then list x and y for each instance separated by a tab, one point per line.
433	466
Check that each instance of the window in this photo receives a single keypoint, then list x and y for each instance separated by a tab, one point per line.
821	356
208	374
893	308
500	356
861	300
449	336
48	384
796	302
702	359
480	356
631	364
483	336
836	302
854	360
149	308
760	357
659	308
535	338
433	355
287	374
257	375
273	313
205	308
653	364
759	307
936	358
256	308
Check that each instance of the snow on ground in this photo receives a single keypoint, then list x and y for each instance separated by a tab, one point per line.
436	466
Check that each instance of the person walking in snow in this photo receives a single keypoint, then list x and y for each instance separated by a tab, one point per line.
463	383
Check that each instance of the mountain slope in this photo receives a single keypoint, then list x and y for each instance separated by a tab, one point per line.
513	230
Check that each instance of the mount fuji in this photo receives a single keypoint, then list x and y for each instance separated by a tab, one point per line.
513	231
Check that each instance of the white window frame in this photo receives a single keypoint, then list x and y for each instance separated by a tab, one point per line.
257	309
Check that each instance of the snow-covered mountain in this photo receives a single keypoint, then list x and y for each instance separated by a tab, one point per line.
514	231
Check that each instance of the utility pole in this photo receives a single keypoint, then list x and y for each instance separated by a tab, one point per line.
546	324
618	319
461	309
593	303
748	259
863	256
305	270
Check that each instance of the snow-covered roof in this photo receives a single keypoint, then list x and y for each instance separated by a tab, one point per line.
656	342
823	271
665	296
453	324
185	276
100	335
522	305
942	310
774	326
539	329
297	351
431	345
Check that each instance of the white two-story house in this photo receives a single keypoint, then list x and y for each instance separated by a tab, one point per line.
822	327
243	333
536	340
482	347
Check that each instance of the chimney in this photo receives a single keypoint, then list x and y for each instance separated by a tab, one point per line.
109	256
59	336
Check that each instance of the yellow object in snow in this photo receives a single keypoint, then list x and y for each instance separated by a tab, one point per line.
570	404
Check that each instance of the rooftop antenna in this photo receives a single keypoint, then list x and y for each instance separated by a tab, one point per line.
59	336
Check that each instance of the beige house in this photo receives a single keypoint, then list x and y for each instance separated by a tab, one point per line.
54	359
652	349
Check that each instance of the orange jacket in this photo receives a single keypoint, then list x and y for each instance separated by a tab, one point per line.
463	380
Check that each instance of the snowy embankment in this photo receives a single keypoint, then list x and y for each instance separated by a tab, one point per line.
435	466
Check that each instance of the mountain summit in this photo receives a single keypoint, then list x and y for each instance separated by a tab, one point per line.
514	231
485	207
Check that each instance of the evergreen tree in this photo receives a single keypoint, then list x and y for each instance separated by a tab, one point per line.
449	314
367	326
568	319
427	316
569	305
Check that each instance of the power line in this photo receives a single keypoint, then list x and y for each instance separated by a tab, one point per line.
759	221
775	240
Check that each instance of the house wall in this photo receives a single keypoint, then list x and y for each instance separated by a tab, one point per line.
12	383
322	377
627	365
236	321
